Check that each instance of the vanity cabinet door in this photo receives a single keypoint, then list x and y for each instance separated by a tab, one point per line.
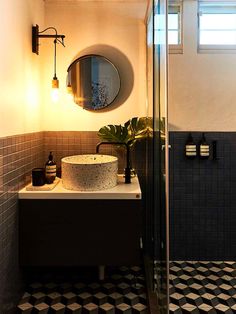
79	232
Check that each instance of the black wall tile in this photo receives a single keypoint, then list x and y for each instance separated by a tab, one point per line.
203	199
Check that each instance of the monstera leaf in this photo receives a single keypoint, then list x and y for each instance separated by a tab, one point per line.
133	130
113	133
139	127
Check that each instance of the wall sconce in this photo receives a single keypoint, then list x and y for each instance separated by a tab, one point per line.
58	39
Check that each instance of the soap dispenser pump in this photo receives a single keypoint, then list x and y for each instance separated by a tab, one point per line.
50	169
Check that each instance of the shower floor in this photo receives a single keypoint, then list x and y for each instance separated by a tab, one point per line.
202	287
80	292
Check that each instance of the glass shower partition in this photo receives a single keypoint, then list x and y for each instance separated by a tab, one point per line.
158	152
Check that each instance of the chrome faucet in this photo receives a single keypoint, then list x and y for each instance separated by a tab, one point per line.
128	167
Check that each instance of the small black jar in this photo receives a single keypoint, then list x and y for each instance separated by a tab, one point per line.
38	176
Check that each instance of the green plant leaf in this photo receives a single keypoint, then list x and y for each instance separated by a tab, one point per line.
113	133
139	127
133	130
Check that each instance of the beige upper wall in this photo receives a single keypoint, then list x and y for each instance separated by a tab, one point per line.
202	92
96	25
20	107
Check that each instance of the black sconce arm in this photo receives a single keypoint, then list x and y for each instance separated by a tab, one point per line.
36	34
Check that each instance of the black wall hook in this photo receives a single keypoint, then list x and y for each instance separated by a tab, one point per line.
214	150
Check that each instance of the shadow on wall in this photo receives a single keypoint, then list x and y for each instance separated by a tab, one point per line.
123	65
173	127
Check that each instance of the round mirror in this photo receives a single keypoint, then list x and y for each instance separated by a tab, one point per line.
94	82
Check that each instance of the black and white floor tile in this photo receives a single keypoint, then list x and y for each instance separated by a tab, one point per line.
195	287
122	292
202	287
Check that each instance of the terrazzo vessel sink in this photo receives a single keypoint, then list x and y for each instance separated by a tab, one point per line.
89	172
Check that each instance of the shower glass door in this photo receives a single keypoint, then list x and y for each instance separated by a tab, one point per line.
158	161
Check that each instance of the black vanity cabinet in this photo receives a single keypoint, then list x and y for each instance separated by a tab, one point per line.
79	232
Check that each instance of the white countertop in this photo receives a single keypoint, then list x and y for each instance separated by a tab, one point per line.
121	191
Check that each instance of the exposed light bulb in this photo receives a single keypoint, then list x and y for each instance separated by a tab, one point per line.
55	89
55	94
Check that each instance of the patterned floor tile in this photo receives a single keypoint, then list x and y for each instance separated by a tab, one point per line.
100	298
204	308
41	308
57	308
202	287
174	308
233	308
107	308
79	287
123	308
124	288
139	308
137	288
25	307
53	298
122	292
68	298
108	288
189	308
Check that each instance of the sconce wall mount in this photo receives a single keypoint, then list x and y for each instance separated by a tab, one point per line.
36	34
